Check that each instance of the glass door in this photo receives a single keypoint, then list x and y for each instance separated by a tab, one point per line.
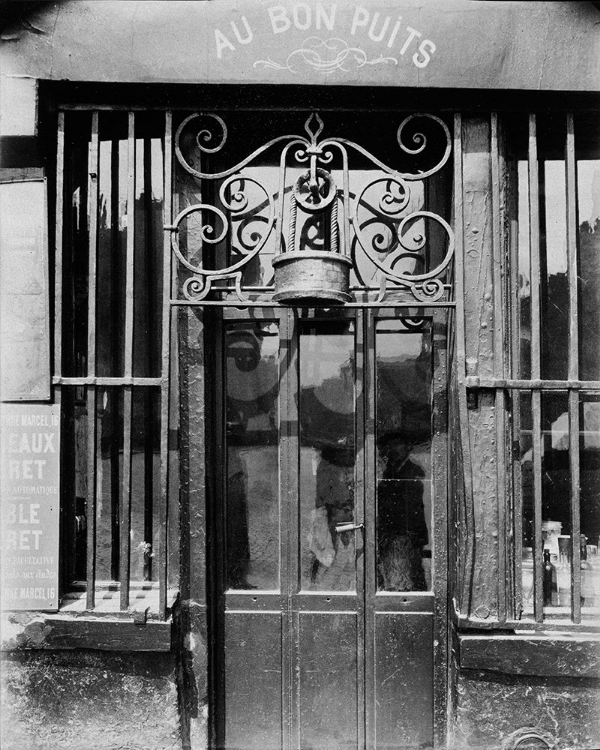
323	539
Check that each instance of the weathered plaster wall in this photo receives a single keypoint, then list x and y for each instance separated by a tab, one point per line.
89	699
492	706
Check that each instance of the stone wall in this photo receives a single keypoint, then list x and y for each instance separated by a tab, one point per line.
89	699
491	706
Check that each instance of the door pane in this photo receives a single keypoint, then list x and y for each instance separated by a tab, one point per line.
252	436
403	436
327	455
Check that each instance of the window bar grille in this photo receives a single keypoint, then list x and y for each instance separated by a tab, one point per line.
93	181
571	182
534	249
498	266
58	249
125	514
165	369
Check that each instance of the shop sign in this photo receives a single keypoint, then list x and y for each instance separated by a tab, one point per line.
29	440
324	38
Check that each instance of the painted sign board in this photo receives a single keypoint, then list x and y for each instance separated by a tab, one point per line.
29	501
24	298
397	43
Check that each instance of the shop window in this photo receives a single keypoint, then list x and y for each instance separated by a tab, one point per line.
110	375
555	391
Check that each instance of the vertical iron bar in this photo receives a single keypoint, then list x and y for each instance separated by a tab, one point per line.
165	370
125	514
500	401
571	180
534	248
129	271
69	505
93	181
574	426
58	247
93	168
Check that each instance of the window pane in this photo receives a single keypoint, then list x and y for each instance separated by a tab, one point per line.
145	483
556	500
112	244
109	472
403	437
75	257
252	506
327	455
553	251
75	490
587	149
148	261
523	321
525	476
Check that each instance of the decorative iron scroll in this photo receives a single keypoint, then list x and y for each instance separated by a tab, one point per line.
310	198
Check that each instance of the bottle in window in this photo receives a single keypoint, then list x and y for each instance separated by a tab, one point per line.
550	581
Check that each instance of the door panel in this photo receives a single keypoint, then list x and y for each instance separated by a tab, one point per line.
327	680
326	543
403	680
253	680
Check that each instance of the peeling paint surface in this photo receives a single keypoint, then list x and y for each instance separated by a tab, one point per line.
81	700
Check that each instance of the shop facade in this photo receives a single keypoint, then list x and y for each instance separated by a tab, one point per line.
301	375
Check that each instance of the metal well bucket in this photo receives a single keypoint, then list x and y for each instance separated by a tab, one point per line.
317	275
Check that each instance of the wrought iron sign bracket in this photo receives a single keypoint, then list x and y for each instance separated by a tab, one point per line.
327	234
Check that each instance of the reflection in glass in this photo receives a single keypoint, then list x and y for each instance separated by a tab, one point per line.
327	455
252	509
403	435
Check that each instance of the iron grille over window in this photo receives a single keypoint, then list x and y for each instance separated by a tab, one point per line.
111	372
555	396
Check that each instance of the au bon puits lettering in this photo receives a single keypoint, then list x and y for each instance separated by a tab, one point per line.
389	31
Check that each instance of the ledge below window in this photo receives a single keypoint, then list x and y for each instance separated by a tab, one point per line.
105	628
544	655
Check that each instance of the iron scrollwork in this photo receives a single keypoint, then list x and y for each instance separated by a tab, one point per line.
378	226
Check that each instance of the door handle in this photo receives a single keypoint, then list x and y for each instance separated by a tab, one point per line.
340	527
